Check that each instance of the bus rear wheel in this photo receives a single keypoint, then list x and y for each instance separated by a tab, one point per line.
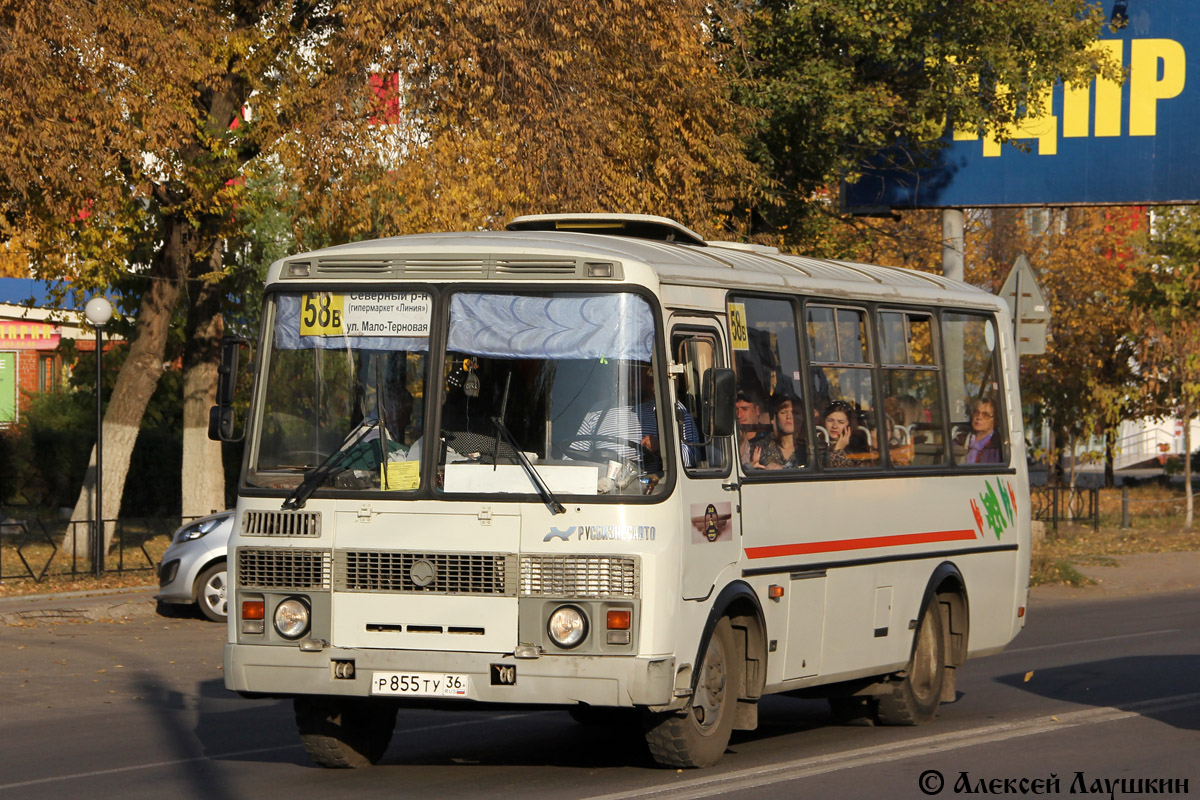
698	735
915	697
344	732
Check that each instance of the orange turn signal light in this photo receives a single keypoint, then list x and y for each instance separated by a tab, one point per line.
253	609
619	619
774	591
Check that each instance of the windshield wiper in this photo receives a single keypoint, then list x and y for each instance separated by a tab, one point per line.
547	496
301	493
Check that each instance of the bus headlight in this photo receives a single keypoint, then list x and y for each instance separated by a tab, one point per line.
567	627
291	618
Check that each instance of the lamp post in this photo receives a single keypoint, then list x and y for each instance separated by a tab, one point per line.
98	312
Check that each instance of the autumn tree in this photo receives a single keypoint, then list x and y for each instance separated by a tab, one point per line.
487	110
130	128
1166	304
1086	261
838	82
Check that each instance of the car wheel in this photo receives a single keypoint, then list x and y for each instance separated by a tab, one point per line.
211	591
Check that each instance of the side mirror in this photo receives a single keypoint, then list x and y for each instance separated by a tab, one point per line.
227	371
221	423
719	388
221	419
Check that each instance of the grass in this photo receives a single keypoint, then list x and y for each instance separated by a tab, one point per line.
1156	526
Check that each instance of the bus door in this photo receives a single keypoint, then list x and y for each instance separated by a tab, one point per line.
707	486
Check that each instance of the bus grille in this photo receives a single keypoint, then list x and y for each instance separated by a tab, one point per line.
428	573
580	576
281	523
288	568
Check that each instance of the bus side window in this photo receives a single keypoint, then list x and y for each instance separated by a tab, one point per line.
696	352
911	389
974	392
843	388
772	420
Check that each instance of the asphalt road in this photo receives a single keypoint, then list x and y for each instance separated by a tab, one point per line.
1092	691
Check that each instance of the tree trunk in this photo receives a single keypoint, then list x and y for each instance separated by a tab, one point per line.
1187	469
1109	474
135	384
1072	441
203	470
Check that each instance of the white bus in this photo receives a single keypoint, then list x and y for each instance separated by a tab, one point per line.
596	462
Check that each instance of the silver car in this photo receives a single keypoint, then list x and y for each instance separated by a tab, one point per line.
193	568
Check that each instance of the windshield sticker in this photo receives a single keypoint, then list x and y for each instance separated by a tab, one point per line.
401	475
603	533
710	523
739	335
405	314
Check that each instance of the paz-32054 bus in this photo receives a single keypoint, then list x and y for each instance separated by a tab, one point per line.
596	462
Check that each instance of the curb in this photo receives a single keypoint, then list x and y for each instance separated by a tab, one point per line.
120	604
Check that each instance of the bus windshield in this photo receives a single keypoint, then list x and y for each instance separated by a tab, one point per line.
564	382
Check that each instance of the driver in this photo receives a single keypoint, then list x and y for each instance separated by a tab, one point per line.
617	429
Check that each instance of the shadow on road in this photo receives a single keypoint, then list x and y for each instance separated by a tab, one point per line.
1164	688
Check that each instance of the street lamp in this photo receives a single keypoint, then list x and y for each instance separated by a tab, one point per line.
98	312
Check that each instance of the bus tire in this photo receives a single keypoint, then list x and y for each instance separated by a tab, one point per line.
344	732
698	735
914	698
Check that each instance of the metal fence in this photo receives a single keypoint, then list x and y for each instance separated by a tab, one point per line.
30	549
1056	502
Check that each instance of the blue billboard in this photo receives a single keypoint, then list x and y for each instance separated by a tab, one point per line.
1109	143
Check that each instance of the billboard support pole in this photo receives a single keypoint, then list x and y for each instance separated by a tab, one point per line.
952	243
1017	320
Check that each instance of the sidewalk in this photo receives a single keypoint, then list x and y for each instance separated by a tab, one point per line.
115	604
1136	574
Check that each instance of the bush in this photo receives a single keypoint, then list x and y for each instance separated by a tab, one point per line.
46	457
58	430
1174	465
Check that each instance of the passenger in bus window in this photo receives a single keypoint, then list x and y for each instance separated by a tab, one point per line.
787	451
983	445
846	440
753	436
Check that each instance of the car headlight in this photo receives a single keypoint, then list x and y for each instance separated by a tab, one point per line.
195	530
567	627
291	618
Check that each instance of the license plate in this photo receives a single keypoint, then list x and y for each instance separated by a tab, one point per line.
420	684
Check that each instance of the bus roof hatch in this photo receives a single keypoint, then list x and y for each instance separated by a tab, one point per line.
636	226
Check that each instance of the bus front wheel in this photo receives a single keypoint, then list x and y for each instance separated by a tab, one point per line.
914	698
698	735
344	732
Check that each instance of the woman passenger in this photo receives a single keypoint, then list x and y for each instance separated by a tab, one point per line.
845	439
983	445
783	415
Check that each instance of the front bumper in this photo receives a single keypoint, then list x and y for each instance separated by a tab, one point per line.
546	680
175	579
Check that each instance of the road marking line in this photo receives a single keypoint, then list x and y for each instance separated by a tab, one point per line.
235	754
1091	641
898	751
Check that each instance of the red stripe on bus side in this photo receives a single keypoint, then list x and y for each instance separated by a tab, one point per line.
841	545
